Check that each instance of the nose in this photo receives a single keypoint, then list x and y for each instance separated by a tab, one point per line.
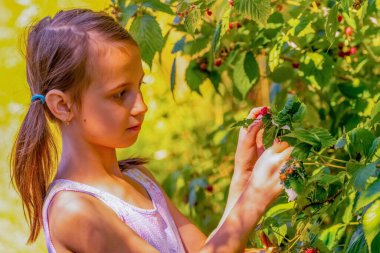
139	106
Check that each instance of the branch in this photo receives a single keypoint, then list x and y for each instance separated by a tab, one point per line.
329	200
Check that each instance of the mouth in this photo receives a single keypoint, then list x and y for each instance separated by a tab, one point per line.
137	127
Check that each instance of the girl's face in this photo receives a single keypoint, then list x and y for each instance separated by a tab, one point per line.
113	108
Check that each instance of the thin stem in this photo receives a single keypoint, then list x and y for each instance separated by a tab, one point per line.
330	158
327	164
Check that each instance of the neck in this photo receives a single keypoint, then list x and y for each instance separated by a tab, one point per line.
84	161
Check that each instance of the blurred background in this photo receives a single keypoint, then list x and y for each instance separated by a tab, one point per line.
170	137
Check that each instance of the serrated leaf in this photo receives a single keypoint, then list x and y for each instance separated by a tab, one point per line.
245	73
192	21
179	45
329	235
243	123
332	23
360	174
257	10
194	76
360	141
269	135
371	222
274	56
301	151
157	5
370	194
127	13
147	33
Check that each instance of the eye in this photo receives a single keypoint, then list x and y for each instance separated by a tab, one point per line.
120	94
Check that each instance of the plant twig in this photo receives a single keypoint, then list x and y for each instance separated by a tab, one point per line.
330	158
327	164
328	200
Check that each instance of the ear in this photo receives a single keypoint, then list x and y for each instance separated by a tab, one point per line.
59	104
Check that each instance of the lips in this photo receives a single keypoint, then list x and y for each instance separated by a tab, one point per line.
135	127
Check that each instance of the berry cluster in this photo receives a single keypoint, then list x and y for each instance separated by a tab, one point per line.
292	170
187	11
357	4
231	2
346	50
236	24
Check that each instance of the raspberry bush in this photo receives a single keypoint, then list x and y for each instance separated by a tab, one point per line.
317	65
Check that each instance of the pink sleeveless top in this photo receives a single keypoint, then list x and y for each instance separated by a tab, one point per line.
156	226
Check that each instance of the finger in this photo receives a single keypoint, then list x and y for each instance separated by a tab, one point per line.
285	154
278	147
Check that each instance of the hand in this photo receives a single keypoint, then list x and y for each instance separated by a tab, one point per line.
249	147
266	172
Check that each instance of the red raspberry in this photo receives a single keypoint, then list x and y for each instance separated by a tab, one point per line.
349	31
203	66
340	18
209	188
296	65
311	250
218	62
231	26
280	7
231	3
263	111
353	50
209	12
238	25
289	171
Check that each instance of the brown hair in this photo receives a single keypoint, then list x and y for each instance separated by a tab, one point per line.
57	57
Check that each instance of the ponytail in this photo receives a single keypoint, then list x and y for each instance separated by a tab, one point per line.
34	155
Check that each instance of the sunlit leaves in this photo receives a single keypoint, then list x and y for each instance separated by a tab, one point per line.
147	32
332	23
371	223
257	10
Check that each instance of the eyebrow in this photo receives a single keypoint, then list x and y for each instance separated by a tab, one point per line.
124	84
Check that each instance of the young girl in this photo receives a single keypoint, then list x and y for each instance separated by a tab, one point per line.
84	71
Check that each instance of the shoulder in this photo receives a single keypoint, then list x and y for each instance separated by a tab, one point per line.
76	218
146	172
70	209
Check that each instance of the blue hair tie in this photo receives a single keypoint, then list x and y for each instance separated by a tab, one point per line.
38	97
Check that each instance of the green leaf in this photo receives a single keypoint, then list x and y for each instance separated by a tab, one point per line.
220	30
279	208
369	195
195	46
341	142
173	75
371	223
179	45
216	38
301	151
357	242
375	113
346	5
330	236
269	135
374	148
147	33
319	138
274	56
360	141
215	80
360	174
127	13
246	73
192	21
332	23
157	5
257	10
194	76
350	91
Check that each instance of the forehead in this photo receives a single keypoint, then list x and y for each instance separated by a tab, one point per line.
111	62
